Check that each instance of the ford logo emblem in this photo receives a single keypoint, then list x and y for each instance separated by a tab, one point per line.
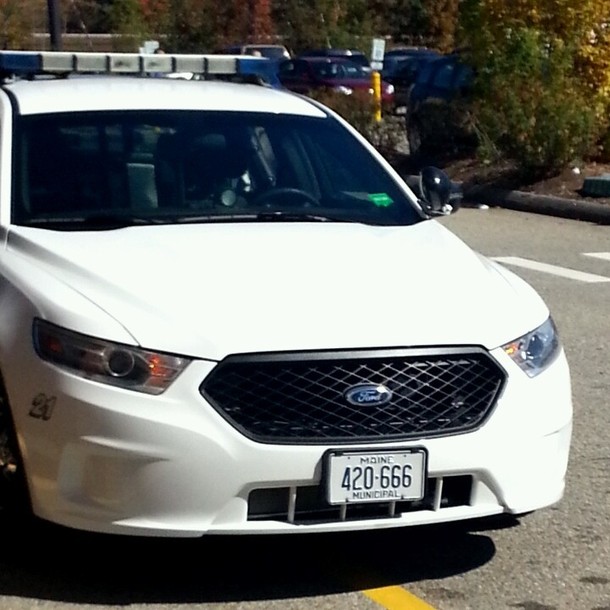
367	394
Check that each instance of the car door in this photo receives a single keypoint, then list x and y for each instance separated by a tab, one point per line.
295	75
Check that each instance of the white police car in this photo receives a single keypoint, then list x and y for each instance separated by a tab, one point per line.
222	311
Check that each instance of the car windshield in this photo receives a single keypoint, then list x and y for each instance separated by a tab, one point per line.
339	70
359	59
107	169
272	52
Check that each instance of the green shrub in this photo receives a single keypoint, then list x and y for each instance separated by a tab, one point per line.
531	106
440	129
542	129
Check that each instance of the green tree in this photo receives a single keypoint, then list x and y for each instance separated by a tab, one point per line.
203	25
537	100
87	16
416	22
18	19
261	27
186	26
325	23
582	25
127	20
404	21
442	19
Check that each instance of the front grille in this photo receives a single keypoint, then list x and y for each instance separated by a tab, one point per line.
307	505
303	397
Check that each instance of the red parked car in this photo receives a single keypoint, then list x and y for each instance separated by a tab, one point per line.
307	74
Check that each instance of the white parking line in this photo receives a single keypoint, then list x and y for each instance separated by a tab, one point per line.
605	256
571	274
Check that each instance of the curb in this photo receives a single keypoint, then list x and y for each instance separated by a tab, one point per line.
539	204
530	202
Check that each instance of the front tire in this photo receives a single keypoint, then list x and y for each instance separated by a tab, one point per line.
14	496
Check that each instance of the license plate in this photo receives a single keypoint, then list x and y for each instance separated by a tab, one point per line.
375	476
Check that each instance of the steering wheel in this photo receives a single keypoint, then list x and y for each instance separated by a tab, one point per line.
267	197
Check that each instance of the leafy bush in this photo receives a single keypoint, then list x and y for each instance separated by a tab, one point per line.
531	107
441	129
580	25
535	101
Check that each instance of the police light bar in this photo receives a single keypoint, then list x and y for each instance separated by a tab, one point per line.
31	63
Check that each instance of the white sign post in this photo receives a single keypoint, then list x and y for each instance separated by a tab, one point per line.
377	53
149	46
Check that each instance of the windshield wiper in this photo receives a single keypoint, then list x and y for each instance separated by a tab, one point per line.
105	222
275	216
298	217
101	222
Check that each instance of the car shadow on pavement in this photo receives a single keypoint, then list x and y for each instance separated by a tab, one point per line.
52	563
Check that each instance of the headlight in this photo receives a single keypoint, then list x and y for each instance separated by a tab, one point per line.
534	351
343	89
389	89
106	362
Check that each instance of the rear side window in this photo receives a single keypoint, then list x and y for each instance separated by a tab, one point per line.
443	76
361	60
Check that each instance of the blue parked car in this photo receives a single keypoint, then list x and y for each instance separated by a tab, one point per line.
444	78
395	58
438	113
358	57
401	67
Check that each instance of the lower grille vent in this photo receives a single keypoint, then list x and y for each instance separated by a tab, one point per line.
307	505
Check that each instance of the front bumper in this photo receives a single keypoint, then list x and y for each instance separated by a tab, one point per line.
119	462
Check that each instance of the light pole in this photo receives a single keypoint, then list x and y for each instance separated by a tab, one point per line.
54	25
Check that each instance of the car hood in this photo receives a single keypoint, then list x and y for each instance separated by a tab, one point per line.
352	83
212	290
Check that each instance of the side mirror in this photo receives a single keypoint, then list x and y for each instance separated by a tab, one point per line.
439	195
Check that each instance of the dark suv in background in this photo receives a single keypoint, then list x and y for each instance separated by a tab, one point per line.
400	68
438	114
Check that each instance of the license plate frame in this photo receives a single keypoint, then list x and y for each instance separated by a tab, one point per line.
364	476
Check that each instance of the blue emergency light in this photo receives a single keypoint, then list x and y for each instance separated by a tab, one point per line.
32	63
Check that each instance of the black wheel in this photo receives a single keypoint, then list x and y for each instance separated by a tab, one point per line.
14	497
414	136
293	196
